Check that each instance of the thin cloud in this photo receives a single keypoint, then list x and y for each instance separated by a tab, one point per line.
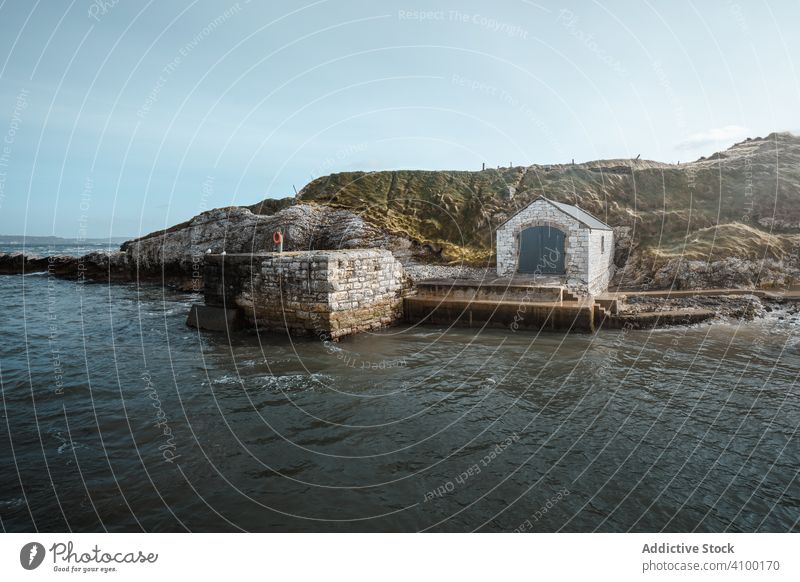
725	135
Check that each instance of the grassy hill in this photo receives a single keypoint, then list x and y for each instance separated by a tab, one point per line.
743	202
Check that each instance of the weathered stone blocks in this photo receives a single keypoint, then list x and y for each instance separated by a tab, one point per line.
329	294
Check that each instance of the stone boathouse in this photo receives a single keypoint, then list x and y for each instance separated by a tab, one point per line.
557	243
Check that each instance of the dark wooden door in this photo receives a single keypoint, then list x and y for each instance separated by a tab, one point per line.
541	251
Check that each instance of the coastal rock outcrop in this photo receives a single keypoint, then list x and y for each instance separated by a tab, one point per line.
177	253
746	307
647	273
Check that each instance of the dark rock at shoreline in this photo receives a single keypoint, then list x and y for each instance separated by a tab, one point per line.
746	307
96	266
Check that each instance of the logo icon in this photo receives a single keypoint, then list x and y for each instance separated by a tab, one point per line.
31	555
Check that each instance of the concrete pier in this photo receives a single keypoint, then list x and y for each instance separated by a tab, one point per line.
576	316
531	304
524	303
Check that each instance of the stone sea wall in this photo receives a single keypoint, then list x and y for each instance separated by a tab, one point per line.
329	294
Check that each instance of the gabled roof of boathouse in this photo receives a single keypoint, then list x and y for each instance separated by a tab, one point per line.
578	214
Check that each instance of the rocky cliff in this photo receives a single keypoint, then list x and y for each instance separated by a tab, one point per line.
239	230
730	220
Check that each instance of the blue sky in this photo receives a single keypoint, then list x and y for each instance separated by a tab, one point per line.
118	118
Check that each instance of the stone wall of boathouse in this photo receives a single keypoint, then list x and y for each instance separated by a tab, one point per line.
600	255
328	294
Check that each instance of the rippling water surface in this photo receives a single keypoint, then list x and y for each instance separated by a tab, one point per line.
116	416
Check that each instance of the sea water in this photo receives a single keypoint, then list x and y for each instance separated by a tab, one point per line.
116	416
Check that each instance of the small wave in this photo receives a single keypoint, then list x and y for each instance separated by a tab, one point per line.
226	379
162	312
10	503
783	316
68	447
423	334
297	382
793	347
